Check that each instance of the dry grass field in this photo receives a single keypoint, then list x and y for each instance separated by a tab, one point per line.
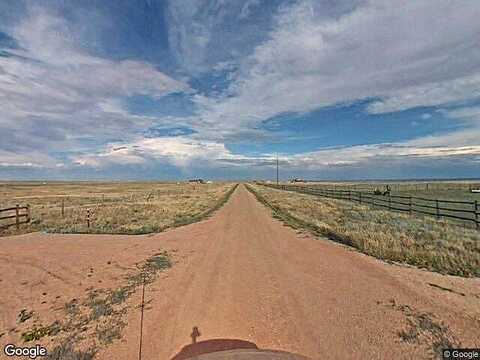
424	242
455	200
448	190
115	208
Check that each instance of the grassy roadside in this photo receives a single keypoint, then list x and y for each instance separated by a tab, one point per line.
114	208
422	242
198	217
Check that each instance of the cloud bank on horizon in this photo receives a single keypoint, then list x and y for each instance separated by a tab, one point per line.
216	88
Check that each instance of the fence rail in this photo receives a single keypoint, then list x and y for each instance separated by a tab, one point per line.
21	214
411	186
460	210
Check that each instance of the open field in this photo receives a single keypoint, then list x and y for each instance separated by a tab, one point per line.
452	201
455	190
424	242
240	275
116	208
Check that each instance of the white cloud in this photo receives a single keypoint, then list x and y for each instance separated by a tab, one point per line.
470	113
202	33
432	94
191	24
179	151
248	8
458	140
462	143
33	159
186	153
368	155
54	95
408	54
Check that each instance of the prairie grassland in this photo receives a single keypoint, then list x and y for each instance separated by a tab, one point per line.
446	190
452	194
115	208
423	242
413	185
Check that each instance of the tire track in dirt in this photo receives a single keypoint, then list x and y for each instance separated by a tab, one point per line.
31	264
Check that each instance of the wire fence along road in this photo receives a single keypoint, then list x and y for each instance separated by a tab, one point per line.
460	210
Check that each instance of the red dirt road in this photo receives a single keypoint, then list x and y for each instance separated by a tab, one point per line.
243	275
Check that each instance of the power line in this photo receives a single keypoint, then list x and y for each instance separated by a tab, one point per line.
141	319
277	169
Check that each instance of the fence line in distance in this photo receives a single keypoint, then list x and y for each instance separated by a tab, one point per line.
410	204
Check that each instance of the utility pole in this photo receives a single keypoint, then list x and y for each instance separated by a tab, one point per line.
277	169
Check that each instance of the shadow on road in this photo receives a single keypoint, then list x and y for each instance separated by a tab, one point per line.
211	346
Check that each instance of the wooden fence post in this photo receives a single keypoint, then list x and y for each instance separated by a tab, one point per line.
477	225
17	218
28	213
389	202
360	196
438	210
63	208
88	218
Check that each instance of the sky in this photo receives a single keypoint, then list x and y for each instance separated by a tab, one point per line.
175	89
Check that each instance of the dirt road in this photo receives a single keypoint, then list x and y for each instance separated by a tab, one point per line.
243	275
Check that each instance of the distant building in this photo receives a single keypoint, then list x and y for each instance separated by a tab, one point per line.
297	180
197	181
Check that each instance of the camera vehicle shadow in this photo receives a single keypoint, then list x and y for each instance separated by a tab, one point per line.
219	349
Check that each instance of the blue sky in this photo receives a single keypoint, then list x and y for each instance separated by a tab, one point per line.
345	89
